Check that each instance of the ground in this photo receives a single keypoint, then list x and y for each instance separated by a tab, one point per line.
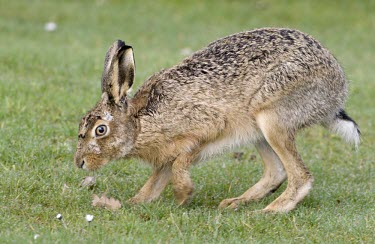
49	79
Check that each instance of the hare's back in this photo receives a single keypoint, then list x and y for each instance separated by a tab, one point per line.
250	70
256	52
274	60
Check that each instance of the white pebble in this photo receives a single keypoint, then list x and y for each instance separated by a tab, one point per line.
89	217
50	26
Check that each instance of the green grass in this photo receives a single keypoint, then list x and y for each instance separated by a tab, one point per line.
48	80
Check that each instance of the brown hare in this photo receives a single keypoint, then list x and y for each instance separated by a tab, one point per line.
259	87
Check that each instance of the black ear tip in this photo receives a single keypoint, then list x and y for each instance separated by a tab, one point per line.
122	46
120	43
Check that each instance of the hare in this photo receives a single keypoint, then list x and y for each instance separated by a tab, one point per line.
258	87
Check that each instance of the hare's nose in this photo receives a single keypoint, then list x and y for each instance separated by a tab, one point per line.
81	164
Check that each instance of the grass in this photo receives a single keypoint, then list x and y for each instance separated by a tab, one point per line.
48	80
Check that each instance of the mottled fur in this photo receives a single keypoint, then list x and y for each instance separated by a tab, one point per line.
258	87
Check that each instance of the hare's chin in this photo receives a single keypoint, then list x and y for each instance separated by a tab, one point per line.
95	166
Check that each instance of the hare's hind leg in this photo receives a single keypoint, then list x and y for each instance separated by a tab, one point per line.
274	175
153	187
282	141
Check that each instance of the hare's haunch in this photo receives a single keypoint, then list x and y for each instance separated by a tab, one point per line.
259	87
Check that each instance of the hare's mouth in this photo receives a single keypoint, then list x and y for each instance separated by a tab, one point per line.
91	165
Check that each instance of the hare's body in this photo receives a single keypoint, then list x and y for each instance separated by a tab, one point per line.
256	87
215	95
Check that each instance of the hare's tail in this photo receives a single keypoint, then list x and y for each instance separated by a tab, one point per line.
346	127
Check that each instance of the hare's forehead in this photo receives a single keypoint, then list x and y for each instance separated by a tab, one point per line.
90	119
86	123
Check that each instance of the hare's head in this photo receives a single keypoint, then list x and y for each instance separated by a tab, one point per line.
108	131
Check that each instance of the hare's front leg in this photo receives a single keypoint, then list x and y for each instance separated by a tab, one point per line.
154	186
282	140
182	184
274	175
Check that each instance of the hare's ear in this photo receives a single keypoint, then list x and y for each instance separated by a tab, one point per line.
118	73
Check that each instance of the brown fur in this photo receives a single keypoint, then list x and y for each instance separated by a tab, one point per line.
258	87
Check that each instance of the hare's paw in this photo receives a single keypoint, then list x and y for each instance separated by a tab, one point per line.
289	199
183	197
135	200
231	203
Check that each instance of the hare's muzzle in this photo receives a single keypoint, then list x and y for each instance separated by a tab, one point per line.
79	162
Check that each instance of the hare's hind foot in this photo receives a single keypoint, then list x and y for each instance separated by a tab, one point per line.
255	193
284	203
289	199
232	203
274	175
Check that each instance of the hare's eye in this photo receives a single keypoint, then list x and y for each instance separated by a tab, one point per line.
101	130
